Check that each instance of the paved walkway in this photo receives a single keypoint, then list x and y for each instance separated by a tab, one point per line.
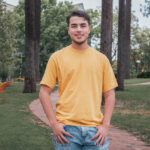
119	139
144	83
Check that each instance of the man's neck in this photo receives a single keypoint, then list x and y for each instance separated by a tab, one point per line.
80	46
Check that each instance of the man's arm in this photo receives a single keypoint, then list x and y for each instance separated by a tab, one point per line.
109	97
103	129
57	128
44	96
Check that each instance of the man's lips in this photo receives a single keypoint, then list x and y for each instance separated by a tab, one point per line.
78	35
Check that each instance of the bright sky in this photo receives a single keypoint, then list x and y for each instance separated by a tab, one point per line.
96	3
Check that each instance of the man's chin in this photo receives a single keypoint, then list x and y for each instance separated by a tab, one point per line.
79	42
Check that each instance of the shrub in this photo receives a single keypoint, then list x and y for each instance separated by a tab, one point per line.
144	75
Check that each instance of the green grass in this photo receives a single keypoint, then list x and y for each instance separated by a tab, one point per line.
135	97
18	131
132	110
136	80
137	124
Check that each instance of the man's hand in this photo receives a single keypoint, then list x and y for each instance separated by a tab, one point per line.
101	134
59	132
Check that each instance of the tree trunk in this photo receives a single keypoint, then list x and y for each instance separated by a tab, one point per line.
121	45
37	38
128	32
30	80
106	28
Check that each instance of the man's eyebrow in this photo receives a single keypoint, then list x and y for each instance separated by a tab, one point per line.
77	24
83	24
73	24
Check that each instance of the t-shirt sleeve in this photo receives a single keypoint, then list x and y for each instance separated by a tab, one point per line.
50	75
109	80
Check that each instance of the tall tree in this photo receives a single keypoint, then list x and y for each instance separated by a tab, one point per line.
106	28
37	38
30	79
121	44
123	62
127	38
32	44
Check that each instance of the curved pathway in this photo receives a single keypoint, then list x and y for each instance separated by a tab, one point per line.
119	139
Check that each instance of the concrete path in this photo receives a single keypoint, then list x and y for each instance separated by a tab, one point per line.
144	83
119	139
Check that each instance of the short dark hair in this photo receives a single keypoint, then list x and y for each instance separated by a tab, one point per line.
78	13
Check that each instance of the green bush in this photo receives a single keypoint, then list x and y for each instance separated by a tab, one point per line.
144	75
3	74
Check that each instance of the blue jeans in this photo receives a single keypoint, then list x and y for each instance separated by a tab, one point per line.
81	139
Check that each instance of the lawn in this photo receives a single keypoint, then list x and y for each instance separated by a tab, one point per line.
132	110
137	80
18	130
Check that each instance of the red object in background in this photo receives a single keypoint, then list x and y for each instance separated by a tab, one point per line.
4	86
1	90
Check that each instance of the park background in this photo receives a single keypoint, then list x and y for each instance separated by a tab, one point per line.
22	62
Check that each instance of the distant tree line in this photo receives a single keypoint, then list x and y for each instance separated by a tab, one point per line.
38	28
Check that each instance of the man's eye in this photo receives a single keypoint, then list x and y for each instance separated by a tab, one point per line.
83	25
74	26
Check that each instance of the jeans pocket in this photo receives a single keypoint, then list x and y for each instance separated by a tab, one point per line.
65	127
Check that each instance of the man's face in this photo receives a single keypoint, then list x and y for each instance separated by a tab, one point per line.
78	29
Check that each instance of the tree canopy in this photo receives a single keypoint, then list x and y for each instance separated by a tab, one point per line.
7	42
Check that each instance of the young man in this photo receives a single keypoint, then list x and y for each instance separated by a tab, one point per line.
83	75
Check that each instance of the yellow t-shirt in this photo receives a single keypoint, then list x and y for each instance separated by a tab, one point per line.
82	77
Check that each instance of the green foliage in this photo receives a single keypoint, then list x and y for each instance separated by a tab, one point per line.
141	49
94	39
145	9
20	39
54	34
7	41
139	45
144	75
3	72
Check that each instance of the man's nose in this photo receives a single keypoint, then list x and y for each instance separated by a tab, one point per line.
78	28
